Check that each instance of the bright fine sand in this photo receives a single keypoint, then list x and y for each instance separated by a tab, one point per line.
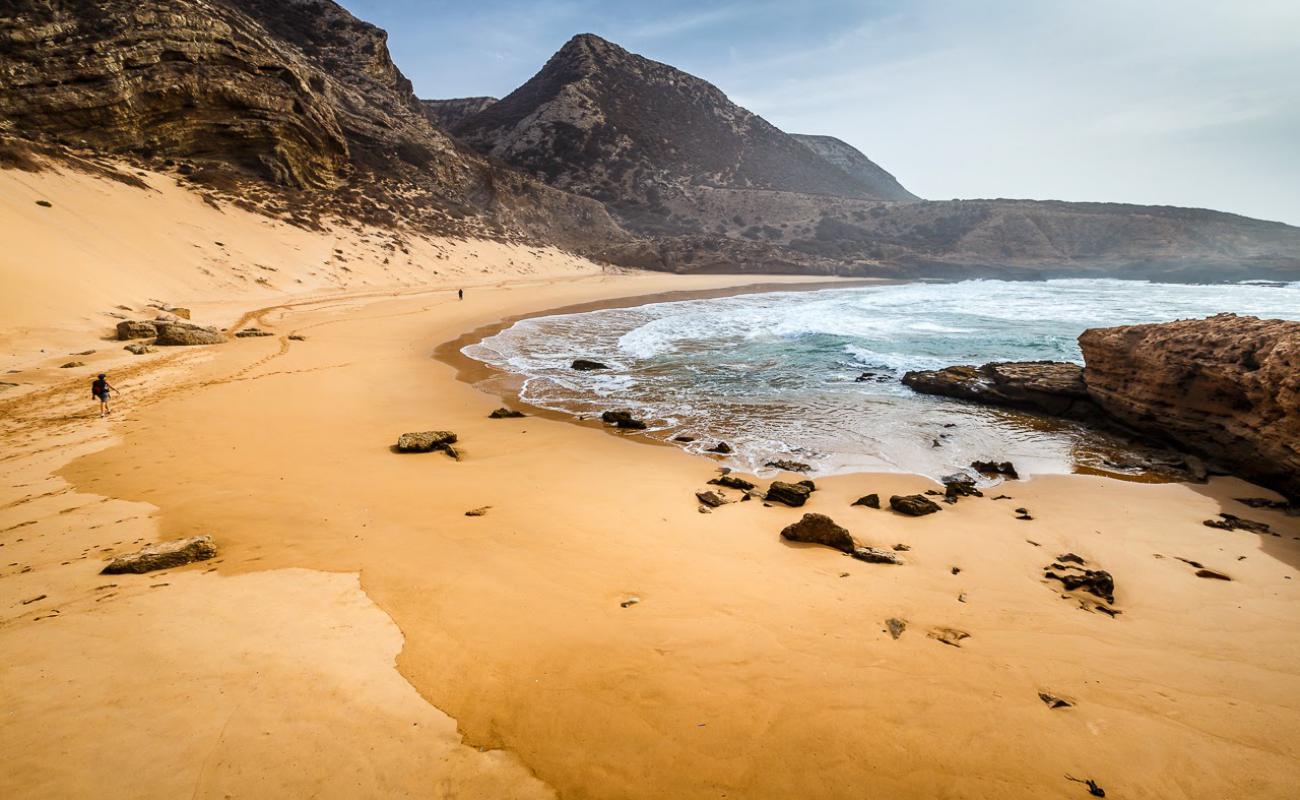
360	636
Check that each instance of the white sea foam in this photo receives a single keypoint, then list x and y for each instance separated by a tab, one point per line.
775	373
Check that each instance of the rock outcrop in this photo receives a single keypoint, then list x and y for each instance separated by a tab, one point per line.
1052	387
446	114
163	556
790	494
856	165
186	334
136	329
1227	388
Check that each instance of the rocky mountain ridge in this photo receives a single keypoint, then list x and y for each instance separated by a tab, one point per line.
295	108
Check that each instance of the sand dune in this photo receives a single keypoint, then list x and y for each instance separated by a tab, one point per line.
748	667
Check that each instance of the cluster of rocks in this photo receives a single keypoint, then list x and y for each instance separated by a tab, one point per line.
1232	522
790	494
1072	571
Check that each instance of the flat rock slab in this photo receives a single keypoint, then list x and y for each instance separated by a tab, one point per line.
185	334
136	329
425	441
874	555
163	556
791	494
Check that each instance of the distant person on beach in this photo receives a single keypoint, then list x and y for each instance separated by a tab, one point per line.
99	390
460	294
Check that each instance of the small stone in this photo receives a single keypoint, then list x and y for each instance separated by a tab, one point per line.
1053	701
721	447
297	337
138	348
1209	573
896	626
949	636
73	365
506	413
869	500
587	365
631	601
477	512
902	548
956	570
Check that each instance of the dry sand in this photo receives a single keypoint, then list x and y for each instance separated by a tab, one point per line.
749	667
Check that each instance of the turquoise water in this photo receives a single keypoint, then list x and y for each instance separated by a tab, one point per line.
774	374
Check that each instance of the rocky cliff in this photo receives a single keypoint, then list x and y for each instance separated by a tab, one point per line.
1227	387
295	94
706	182
852	161
446	114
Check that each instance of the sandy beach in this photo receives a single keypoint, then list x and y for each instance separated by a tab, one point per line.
360	636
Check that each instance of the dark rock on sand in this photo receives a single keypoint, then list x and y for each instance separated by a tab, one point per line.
913	505
506	413
587	365
297	337
185	334
684	439
868	500
136	329
72	365
1053	701
896	626
1005	468
788	466
732	482
425	441
1232	522
163	556
720	447
1052	387
791	494
478	512
1209	573
252	332
623	419
1069	570
874	555
711	499
959	485
1264	502
819	529
138	348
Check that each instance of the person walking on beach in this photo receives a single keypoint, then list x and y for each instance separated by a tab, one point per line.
99	390
460	294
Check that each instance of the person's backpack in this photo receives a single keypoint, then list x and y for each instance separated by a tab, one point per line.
98	387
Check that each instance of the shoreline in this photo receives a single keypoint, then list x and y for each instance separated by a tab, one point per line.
513	627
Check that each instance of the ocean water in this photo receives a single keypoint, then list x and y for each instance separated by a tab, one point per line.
775	374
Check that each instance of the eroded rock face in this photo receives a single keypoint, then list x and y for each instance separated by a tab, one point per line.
1052	387
184	334
425	441
136	329
163	556
1227	387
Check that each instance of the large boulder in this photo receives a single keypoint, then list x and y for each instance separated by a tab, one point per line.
163	556
1052	387
791	494
185	334
425	441
587	365
819	529
1226	387
136	329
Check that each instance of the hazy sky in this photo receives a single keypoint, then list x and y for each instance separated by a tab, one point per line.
1179	102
